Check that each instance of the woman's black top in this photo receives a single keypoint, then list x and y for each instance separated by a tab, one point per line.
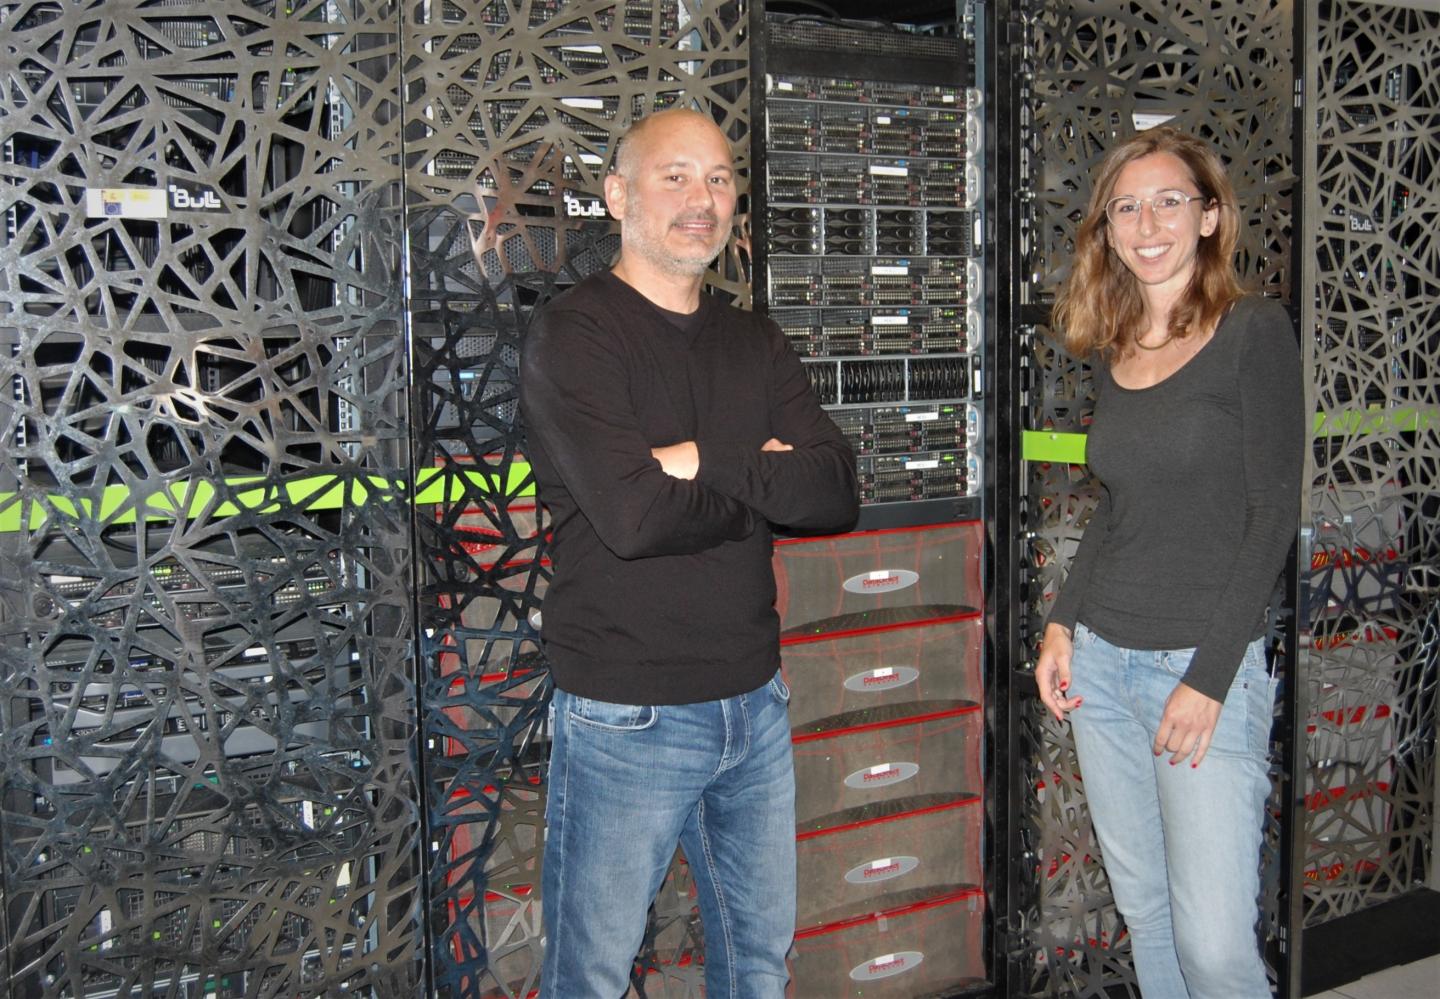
1200	499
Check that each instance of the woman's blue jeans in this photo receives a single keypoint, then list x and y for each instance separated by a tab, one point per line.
1180	844
627	782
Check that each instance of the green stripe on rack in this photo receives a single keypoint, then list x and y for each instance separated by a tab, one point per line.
1069	448
1050	445
198	498
120	505
1376	420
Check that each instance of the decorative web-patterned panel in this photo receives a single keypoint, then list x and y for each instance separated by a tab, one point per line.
1100	70
206	778
1372	613
512	108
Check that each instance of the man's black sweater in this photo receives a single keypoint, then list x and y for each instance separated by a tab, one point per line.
663	591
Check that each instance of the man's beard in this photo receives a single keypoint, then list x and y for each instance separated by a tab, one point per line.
659	253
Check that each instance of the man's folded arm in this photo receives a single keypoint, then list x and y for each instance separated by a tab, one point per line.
810	487
575	400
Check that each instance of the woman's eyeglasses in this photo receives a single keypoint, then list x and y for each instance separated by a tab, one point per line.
1167	205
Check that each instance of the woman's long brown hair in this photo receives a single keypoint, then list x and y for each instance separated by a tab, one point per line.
1099	310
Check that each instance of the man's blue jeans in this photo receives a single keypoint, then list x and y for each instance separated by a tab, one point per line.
1180	844
627	782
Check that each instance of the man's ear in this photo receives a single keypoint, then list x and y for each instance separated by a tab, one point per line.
615	196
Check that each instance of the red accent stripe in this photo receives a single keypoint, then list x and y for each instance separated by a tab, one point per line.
877	726
515	564
461	681
826	636
1353	716
1369	633
883	530
862	823
1319	799
869	917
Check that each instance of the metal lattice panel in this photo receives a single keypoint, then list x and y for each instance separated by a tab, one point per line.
1372	609
1101	70
513	108
205	603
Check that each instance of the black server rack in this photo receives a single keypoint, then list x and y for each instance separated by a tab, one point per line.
206	786
869	201
521	104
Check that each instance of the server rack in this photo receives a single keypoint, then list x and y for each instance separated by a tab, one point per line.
870	203
205	786
508	160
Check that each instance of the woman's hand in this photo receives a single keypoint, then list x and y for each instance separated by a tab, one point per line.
1052	672
1187	724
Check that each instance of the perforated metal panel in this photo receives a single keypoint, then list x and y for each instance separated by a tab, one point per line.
205	607
1372	618
1100	71
512	111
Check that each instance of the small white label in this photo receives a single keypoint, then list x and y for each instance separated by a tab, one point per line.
922	465
889	269
582	48
947	98
1149	119
887	966
875	681
881	775
881	581
588	103
882	119
784	85
889	320
889	171
125	203
921	417
881	869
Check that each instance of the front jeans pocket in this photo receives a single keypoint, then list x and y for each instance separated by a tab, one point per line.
611	717
779	689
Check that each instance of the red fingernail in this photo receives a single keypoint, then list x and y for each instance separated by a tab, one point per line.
1173	762
1065	685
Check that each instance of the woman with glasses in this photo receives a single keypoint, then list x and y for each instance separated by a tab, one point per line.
1153	649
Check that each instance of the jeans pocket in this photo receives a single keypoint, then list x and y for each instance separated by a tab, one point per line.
1176	662
779	689
612	717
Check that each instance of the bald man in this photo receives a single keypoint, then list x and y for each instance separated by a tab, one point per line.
668	431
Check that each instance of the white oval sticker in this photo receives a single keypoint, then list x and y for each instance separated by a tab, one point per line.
882	678
881	581
881	869
882	775
887	966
